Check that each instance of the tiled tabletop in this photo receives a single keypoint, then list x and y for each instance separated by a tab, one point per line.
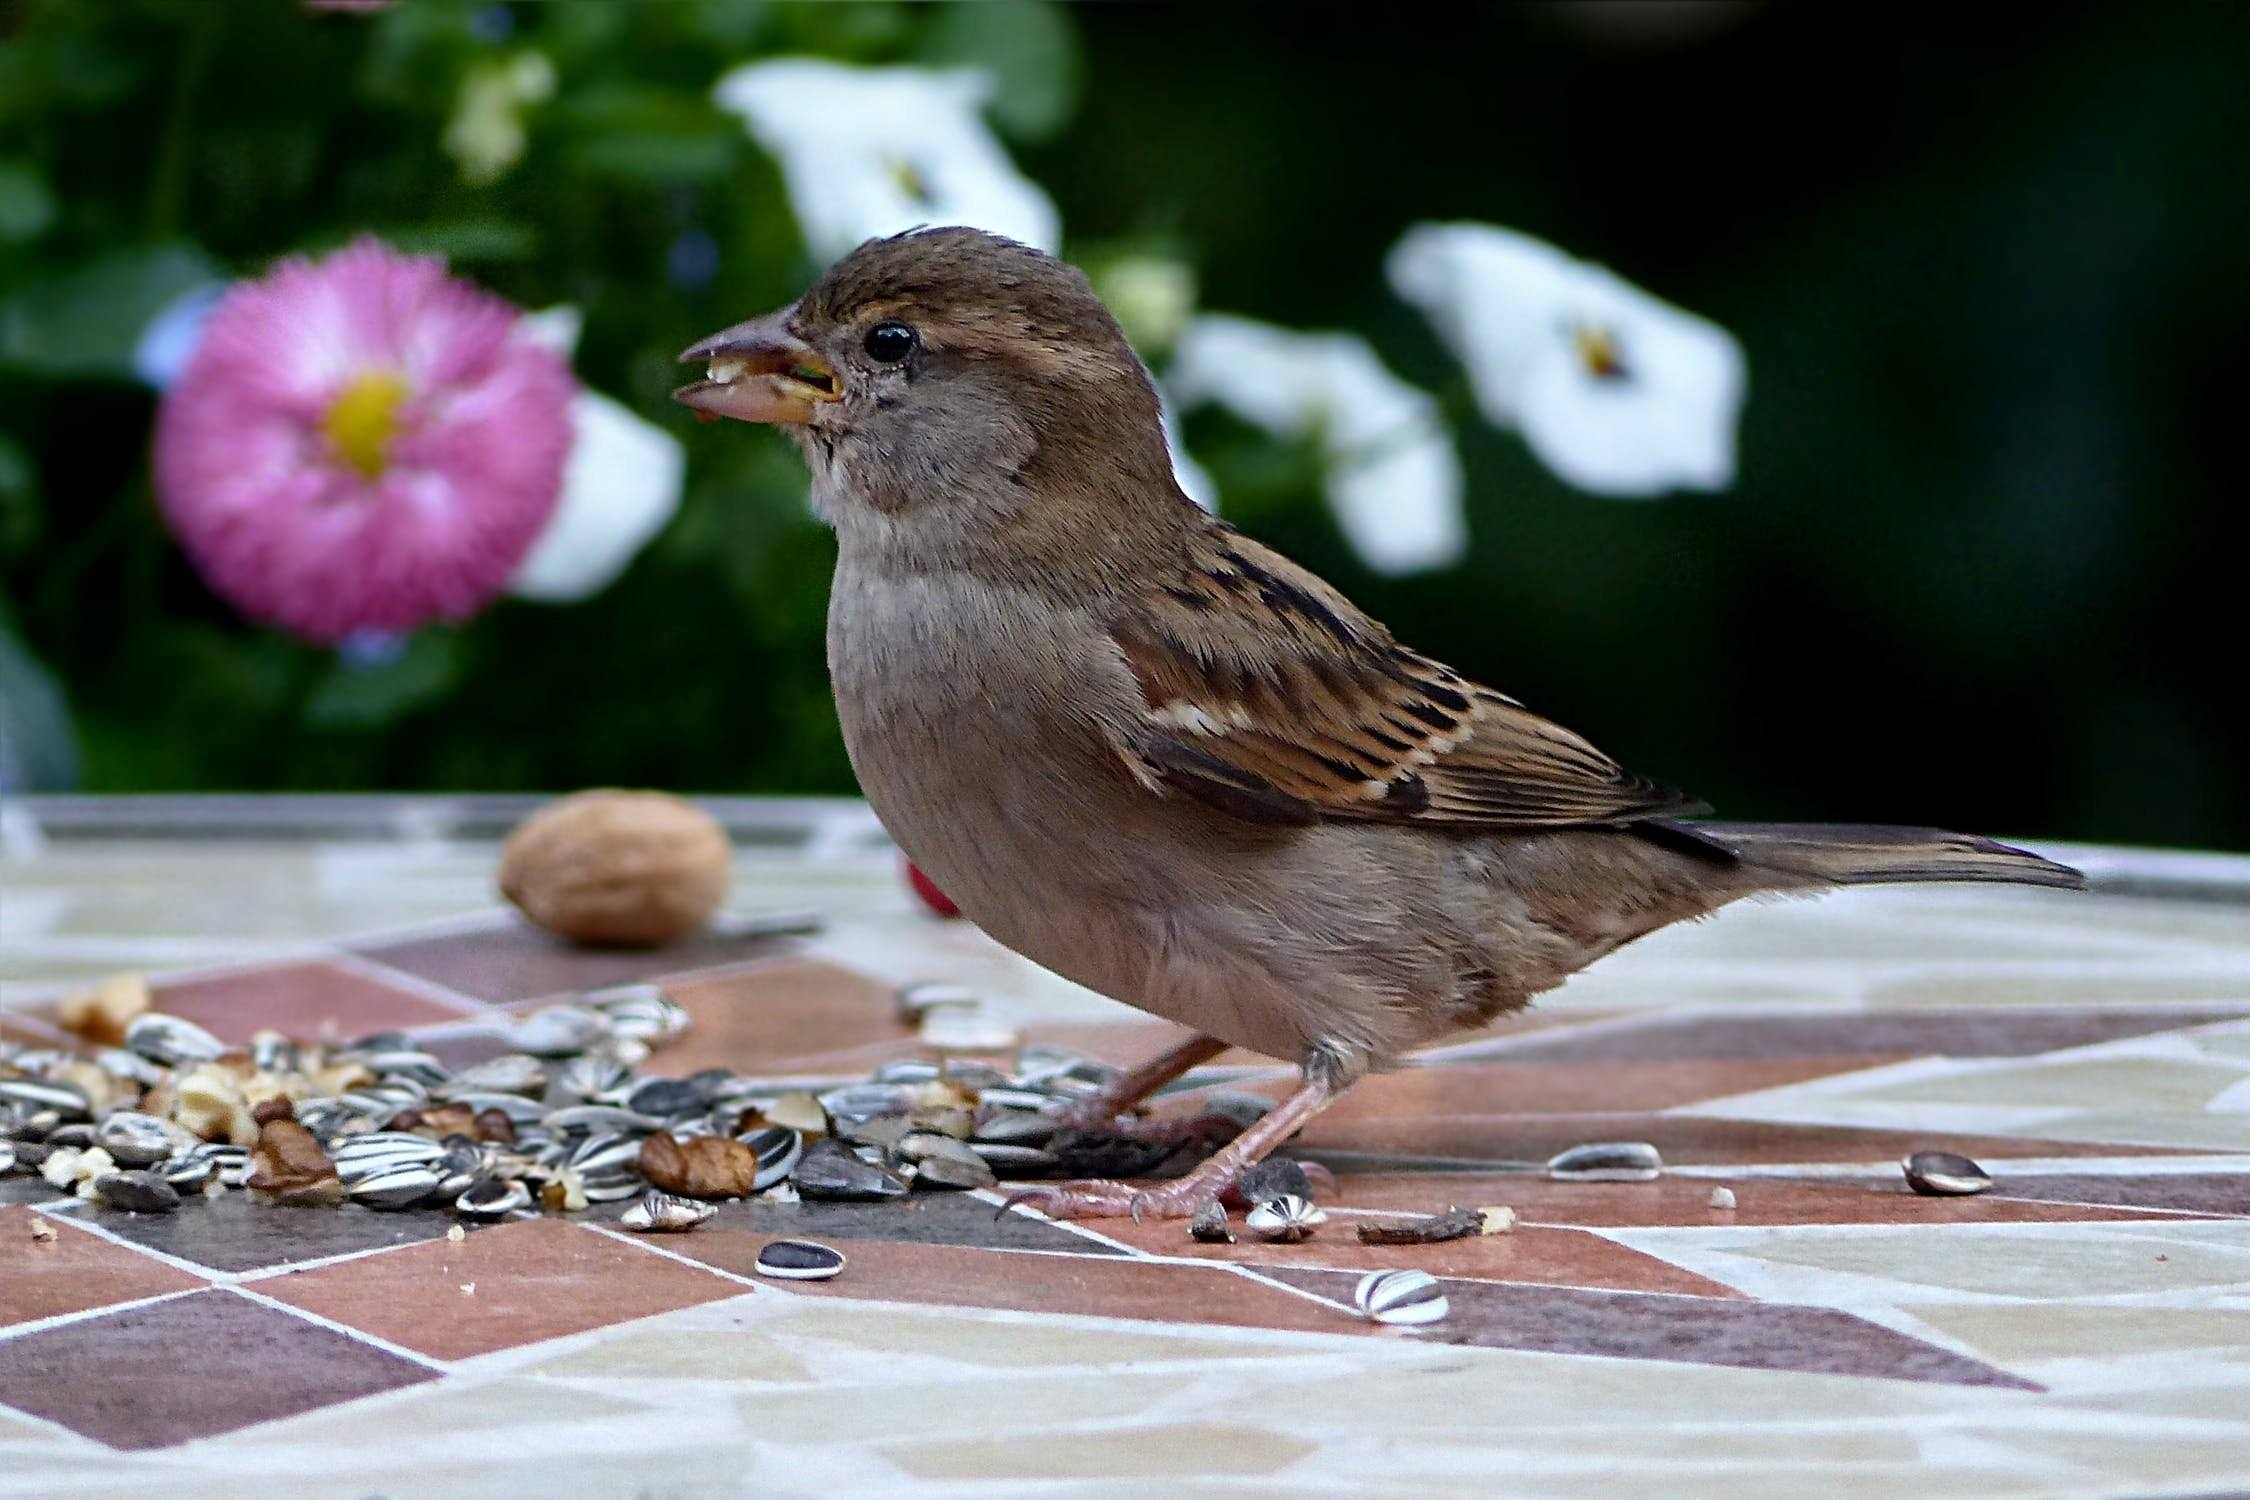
2083	1329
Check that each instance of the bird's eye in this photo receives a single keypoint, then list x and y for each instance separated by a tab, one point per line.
888	343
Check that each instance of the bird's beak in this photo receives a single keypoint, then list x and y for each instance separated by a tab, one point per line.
759	372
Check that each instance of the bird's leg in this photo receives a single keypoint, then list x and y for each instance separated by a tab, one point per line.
1104	1111
1182	1196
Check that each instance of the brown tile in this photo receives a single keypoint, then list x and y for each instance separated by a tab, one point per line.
1684	1140
532	1280
235	1232
1677	1202
1691	1330
72	1272
512	960
302	999
2193	1192
776	1017
1988	1031
919	1219
1530	1088
170	1372
1544	1256
1097	1286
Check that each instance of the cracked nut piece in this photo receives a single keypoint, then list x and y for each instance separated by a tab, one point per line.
288	1165
703	1166
102	1015
617	869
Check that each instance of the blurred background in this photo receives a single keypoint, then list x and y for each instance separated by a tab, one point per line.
1973	559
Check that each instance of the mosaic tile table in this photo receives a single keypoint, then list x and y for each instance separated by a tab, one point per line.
2082	1330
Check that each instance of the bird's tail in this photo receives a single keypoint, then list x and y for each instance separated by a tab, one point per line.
1866	854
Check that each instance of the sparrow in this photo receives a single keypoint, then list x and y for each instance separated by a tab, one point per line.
1156	757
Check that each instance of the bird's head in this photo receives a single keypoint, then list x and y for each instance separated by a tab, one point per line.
944	368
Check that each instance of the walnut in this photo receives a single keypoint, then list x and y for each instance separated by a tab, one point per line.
617	869
703	1166
102	1015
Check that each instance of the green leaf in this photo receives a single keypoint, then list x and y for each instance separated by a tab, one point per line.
351	696
84	323
27	206
1029	47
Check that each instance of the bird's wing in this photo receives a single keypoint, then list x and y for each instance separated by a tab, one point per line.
1265	693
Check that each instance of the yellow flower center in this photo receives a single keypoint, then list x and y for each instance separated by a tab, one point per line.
363	419
1598	351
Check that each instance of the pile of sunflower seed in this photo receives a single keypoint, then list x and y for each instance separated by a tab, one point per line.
563	1120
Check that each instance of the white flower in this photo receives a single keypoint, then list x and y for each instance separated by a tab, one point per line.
621	484
873	151
486	134
1617	392
1393	479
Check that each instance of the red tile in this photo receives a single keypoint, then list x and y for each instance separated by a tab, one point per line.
303	1000
1532	1088
1549	1257
777	1016
1684	1140
73	1270
517	1284
1097	1286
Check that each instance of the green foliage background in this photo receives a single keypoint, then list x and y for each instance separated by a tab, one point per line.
1983	565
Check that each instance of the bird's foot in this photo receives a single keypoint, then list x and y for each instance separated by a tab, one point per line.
1095	1116
1098	1198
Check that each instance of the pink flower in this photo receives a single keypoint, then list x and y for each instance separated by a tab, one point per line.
362	443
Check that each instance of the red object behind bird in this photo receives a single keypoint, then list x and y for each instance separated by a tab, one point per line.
926	888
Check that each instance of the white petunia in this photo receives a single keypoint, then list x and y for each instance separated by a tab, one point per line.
620	485
1617	392
1392	477
873	151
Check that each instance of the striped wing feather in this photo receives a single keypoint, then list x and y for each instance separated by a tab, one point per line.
1267	694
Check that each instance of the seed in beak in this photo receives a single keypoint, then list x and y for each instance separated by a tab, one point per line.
724	371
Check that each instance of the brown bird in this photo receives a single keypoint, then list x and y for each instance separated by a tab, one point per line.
1162	760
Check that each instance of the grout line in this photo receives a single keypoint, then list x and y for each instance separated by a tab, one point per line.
429	989
360	1335
64	1320
644	1242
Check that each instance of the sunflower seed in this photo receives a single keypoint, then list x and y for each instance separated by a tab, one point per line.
610	1184
66	1100
77	1137
491	1198
778	1149
408	1064
1607	1161
520	1111
863	1101
666	1097
602	1153
1013	1127
1408	1298
135	1140
130	1065
560	1031
400	1186
959	1028
1275	1177
907	1070
592	1079
7	1157
640	1012
951	1165
1209	1226
799	1260
1285	1220
828	1169
603	1118
1010	1097
1014	1161
271	1052
137	1192
662	1213
798	1110
171	1040
1943	1174
741	926
509	1073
